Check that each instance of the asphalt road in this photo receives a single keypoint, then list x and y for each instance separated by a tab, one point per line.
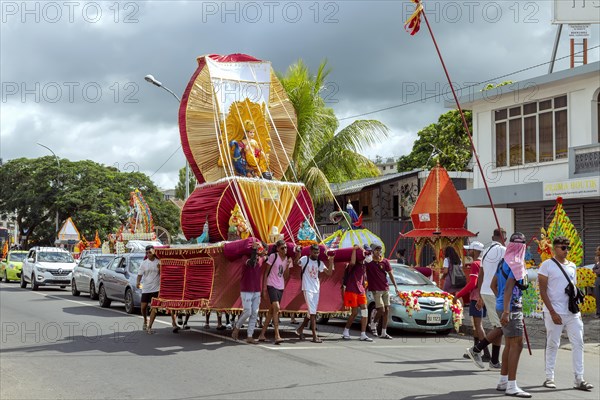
56	346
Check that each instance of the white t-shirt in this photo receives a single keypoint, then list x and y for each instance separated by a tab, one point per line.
489	264
150	276
310	276
557	284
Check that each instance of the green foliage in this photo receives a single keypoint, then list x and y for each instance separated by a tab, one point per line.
447	138
96	197
490	86
180	188
321	155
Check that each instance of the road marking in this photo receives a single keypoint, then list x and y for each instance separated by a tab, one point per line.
171	348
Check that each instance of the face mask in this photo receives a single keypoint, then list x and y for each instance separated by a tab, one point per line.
368	259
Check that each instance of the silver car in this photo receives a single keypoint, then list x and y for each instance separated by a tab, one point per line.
85	274
430	318
117	282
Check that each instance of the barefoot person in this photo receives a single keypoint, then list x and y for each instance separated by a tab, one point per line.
250	291
353	293
311	267
278	265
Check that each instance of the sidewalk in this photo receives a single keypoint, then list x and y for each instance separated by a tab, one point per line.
536	332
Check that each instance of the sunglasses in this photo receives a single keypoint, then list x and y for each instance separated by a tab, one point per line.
563	248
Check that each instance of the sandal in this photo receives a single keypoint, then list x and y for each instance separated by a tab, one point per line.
145	326
221	328
279	341
299	334
262	339
386	336
317	340
150	332
583	385
206	326
185	327
374	331
176	329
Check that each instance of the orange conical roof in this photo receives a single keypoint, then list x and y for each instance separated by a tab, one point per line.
439	209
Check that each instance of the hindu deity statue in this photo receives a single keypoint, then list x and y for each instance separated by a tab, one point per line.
238	228
306	231
544	246
256	160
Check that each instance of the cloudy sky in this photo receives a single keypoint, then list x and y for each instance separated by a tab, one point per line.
72	73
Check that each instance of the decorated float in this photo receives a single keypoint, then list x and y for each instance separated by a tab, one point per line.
560	225
238	132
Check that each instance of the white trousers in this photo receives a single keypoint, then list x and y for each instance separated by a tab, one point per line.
574	325
250	302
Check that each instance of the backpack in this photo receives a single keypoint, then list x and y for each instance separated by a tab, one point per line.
306	264
457	277
522	284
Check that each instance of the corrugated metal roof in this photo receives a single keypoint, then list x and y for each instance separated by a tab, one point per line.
355	186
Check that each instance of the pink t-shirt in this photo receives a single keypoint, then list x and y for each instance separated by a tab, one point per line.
275	278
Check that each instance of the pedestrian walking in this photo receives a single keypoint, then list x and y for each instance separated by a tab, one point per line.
353	292
451	261
250	288
509	306
474	250
311	267
149	280
487	298
378	270
278	265
554	274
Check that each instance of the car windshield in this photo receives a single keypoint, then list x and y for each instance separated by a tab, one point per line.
407	276
54	257
17	257
103	261
134	264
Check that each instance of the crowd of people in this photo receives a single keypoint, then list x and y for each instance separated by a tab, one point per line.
494	290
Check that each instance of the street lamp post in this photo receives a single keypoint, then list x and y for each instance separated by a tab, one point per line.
57	181
151	79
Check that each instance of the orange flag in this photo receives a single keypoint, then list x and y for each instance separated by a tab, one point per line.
97	240
413	23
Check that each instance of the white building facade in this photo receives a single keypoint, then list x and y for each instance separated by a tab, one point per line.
538	140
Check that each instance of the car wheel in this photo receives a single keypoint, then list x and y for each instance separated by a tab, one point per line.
93	294
34	285
323	321
102	299
129	307
23	282
74	290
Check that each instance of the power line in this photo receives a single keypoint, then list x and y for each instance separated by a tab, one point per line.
166	161
466	87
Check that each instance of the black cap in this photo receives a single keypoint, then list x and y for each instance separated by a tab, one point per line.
518	237
149	247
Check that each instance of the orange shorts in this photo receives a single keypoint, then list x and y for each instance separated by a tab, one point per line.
354	299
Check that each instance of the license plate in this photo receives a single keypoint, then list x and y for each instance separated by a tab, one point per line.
434	318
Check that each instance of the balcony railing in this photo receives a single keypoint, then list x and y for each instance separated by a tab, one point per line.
586	160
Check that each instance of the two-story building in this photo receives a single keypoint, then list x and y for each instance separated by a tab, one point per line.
538	140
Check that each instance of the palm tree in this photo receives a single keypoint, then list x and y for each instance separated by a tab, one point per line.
321	155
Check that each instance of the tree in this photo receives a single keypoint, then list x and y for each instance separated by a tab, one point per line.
445	142
96	197
321	155
180	188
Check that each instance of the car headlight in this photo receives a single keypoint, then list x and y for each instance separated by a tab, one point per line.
11	266
39	269
396	300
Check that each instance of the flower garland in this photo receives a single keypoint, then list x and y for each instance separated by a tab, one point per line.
411	302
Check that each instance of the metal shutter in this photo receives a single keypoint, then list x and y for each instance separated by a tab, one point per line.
529	220
591	231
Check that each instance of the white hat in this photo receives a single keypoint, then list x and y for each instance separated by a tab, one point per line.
474	246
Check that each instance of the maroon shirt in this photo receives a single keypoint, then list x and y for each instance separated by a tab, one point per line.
377	275
252	276
354	278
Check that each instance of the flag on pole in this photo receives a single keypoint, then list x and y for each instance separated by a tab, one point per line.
413	23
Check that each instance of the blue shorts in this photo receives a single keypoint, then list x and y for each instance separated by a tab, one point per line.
474	312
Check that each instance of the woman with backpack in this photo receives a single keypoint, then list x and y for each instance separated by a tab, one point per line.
278	265
454	277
